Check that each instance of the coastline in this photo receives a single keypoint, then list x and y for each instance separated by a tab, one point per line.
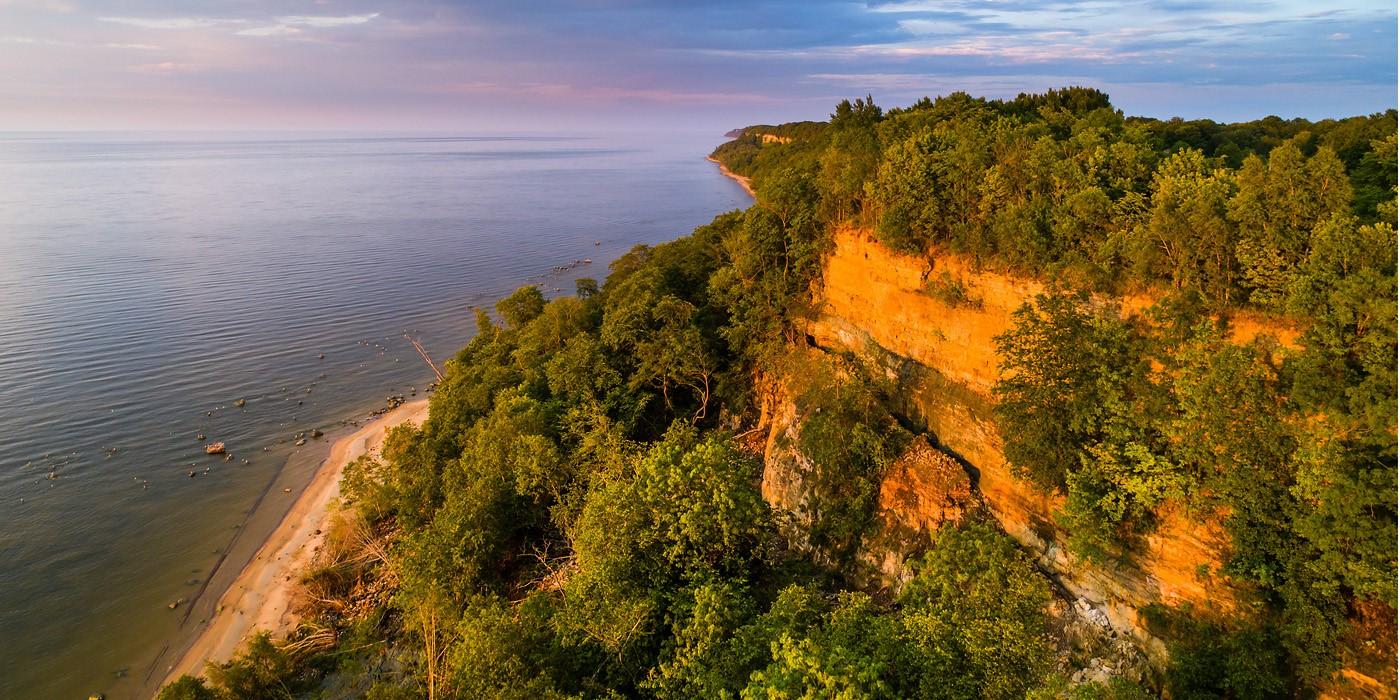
262	595
744	182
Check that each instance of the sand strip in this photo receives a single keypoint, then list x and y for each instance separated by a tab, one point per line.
261	597
744	182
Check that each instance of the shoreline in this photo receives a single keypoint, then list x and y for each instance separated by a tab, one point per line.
262	595
744	182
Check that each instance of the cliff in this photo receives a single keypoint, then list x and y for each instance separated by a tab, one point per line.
875	303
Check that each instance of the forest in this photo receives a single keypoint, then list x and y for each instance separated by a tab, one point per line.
581	514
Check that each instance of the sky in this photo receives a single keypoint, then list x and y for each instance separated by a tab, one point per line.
550	65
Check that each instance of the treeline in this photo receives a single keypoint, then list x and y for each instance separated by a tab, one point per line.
576	517
1294	447
1062	184
580	515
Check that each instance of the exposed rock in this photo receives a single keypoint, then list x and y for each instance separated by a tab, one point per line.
944	361
1088	648
314	434
215	448
240	403
923	490
785	471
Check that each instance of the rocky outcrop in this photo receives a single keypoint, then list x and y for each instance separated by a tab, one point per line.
786	470
886	307
923	490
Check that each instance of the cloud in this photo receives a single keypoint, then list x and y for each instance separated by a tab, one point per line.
994	48
34	40
172	23
277	26
43	41
270	30
598	93
321	22
58	6
166	68
913	85
932	26
745	60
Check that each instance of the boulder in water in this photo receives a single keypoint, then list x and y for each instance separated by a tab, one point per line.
216	448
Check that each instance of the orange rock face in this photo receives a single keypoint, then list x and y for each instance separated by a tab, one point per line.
875	300
924	489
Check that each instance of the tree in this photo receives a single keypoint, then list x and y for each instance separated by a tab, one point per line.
187	688
910	192
975	615
849	439
856	653
851	157
1229	431
1347	511
689	513
1277	205
521	307
659	331
1209	661
700	658
1188	237
499	651
722	644
261	670
1347	285
1063	366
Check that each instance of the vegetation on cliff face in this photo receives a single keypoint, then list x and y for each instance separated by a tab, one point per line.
1127	416
580	515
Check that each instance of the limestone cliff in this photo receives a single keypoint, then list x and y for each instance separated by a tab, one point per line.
877	303
940	351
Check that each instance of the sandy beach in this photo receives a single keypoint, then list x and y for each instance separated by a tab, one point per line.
262	596
744	182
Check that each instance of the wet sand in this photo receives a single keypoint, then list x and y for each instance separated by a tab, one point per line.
262	596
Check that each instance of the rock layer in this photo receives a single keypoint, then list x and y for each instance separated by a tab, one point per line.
941	349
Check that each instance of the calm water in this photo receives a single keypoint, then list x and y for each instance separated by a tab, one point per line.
147	282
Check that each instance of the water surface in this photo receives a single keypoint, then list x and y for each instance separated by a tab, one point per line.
149	281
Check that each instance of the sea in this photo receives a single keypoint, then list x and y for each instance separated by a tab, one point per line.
159	291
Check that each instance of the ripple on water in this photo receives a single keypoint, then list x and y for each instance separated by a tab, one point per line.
146	283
